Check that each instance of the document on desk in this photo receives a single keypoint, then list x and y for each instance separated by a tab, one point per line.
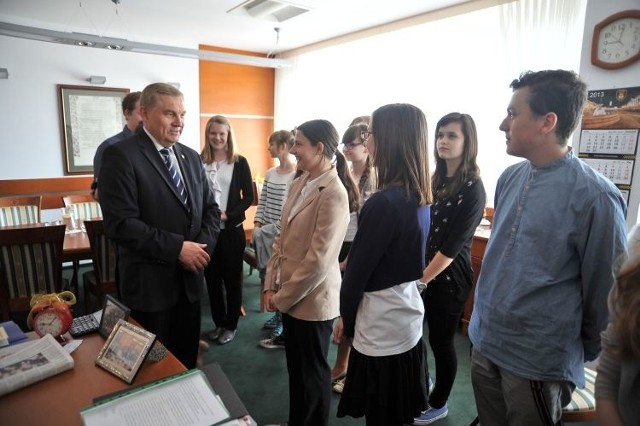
185	399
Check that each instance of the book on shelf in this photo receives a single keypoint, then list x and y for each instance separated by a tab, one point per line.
32	362
182	399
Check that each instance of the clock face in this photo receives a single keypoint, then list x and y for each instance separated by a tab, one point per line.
617	40
48	322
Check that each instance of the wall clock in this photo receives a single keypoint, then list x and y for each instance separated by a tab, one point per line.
616	40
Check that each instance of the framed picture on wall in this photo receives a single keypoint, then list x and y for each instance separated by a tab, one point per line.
88	116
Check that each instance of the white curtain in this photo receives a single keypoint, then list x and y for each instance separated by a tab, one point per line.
463	63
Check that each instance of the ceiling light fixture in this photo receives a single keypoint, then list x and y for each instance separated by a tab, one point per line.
41	34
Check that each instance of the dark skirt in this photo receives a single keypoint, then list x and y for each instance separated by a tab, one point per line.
388	390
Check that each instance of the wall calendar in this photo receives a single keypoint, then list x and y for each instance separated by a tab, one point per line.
610	134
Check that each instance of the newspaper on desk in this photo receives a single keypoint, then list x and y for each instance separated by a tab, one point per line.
34	361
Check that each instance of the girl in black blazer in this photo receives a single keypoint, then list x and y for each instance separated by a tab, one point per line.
231	182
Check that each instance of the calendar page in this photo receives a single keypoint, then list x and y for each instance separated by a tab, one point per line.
619	172
609	141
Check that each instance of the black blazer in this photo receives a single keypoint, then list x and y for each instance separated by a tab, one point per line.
240	193
144	215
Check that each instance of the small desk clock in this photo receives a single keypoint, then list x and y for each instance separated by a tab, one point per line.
50	314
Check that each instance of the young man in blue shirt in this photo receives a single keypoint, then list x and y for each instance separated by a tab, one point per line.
558	232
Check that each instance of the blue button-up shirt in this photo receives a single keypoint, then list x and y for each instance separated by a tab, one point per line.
541	298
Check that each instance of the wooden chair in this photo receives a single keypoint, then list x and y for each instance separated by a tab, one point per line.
102	279
30	263
249	253
249	257
77	198
583	402
84	207
19	210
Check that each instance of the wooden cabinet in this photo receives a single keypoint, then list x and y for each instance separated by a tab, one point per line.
478	246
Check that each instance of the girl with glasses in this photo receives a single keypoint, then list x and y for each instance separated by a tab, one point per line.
380	304
358	155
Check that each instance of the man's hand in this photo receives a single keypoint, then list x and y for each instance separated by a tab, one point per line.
193	256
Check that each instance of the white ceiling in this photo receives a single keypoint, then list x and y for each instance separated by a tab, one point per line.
187	23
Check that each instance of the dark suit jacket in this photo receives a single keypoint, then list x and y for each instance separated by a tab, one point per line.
240	193
145	217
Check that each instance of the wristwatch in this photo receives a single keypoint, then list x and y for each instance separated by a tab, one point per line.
421	286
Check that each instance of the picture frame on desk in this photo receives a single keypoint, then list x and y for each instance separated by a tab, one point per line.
125	350
88	116
112	311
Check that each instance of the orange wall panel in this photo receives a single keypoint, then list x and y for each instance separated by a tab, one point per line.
236	89
245	95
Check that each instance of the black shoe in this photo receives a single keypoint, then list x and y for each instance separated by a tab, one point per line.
276	342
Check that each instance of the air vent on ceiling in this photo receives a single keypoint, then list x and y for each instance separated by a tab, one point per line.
273	10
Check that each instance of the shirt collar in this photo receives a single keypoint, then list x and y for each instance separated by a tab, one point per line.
155	142
557	163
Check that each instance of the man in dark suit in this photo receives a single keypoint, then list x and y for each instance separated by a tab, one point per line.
159	209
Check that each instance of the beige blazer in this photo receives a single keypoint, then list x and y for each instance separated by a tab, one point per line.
306	250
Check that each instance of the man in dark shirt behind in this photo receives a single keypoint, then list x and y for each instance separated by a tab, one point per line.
131	111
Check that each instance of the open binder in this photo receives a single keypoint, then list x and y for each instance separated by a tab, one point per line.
194	397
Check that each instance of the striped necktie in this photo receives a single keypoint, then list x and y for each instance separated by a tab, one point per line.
174	175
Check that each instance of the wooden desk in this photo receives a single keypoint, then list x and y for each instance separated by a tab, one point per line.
478	246
57	400
76	247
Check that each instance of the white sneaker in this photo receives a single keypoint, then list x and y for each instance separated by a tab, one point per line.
226	337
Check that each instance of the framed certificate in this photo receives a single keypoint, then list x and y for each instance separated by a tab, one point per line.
88	116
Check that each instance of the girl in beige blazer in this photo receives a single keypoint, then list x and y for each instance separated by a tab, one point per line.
303	277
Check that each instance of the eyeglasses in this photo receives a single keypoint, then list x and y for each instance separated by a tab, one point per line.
365	135
351	145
